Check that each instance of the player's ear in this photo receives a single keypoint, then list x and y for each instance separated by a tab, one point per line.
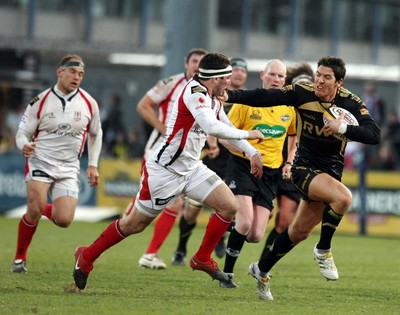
339	83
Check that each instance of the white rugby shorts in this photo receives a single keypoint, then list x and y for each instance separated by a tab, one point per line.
63	176
160	187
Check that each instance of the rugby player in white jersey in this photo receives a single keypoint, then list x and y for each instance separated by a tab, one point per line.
155	108
175	168
52	135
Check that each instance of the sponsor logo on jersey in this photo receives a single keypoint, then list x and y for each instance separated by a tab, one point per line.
197	89
39	173
287	88
24	119
64	130
34	100
77	115
166	80
285	117
198	131
52	115
64	126
256	115
232	184
271	131
161	201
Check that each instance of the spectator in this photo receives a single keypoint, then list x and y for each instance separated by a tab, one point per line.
113	124
374	103
135	145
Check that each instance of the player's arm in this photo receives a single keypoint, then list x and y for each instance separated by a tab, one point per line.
291	151
368	131
95	140
212	126
26	129
261	97
292	147
94	149
213	148
240	146
147	110
23	142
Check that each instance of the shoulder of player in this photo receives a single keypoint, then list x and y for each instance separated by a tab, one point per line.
346	94
88	96
171	80
303	86
37	98
195	87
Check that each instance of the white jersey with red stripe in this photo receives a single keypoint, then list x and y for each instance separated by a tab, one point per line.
164	93
60	123
185	139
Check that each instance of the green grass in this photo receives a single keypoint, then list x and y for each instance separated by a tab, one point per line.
369	278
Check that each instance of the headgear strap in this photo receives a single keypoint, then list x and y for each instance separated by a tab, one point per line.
70	64
215	73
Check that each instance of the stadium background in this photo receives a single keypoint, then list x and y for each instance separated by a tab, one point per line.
129	44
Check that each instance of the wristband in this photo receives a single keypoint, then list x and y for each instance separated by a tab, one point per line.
290	163
343	128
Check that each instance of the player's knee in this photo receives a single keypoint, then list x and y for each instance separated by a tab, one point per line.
232	207
62	222
244	227
254	238
344	202
283	223
34	208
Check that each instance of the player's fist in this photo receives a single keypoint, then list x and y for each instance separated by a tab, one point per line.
28	149
256	134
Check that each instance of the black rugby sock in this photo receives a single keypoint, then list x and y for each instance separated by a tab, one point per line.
330	221
233	248
281	246
185	230
271	238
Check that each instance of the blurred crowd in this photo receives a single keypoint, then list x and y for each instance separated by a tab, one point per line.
386	155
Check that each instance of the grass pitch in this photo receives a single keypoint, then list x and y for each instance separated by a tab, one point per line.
368	267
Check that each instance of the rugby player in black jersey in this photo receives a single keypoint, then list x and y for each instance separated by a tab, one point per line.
318	165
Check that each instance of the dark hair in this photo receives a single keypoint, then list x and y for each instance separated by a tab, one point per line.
195	51
67	58
214	61
336	64
302	69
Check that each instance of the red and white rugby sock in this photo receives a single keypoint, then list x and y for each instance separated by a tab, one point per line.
109	237
162	228
26	230
216	227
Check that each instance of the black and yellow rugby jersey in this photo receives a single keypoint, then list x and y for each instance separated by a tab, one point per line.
316	148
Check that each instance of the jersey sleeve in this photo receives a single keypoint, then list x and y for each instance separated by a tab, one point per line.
30	120
95	135
160	91
199	106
